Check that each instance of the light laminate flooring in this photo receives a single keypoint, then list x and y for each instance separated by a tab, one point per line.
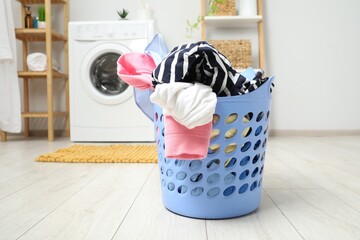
311	190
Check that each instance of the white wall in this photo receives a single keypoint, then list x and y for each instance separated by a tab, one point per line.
312	47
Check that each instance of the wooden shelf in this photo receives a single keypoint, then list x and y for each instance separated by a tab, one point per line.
42	114
27	2
36	34
231	21
34	74
227	24
48	35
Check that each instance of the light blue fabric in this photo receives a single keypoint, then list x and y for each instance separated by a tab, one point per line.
158	50
249	73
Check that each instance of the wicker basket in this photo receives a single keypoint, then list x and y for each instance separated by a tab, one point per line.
228	8
238	52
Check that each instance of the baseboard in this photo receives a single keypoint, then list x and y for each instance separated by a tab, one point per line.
313	133
272	133
40	133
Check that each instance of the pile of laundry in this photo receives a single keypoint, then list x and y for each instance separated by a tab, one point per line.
186	83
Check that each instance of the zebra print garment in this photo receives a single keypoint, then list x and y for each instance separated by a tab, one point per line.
201	62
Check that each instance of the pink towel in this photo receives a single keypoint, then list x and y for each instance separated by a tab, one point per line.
186	144
135	69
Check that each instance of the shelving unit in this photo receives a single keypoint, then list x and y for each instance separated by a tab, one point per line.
231	21
47	35
235	22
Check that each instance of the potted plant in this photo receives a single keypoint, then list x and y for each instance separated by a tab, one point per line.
212	9
123	14
41	12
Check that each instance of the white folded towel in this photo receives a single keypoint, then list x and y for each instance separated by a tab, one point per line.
189	104
38	62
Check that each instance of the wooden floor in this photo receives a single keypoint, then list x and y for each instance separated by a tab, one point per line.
311	190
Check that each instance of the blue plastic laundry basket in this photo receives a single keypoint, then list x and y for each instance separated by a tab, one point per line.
227	183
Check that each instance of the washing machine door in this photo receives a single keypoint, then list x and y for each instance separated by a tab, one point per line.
99	74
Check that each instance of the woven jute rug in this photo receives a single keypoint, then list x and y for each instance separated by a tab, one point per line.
124	153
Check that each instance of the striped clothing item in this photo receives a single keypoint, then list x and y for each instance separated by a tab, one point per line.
197	62
201	62
245	85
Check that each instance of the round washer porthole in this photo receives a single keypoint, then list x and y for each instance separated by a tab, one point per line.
99	74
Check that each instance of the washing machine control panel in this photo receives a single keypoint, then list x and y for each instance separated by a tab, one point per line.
92	31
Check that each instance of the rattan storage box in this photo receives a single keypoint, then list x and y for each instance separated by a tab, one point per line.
228	8
238	52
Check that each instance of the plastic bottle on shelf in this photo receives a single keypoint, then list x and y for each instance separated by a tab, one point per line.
35	22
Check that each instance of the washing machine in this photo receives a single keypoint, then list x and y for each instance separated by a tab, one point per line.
102	106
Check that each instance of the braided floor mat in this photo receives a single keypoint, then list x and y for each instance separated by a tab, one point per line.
102	154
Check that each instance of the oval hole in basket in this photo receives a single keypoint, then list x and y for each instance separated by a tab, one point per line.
246	132
179	163
195	165
196	177
257	144
214	148
260	116
243	188
230	162
231	133
171	186
262	156
245	146
182	189
181	175
231	118
266	129
261	169
264	143
213	178
256	170
244	161
169	173
213	164
229	177
230	148
244	174
213	192
253	186
215	133
197	191
247	117
216	118
228	191
157	131
267	115
256	158
258	131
